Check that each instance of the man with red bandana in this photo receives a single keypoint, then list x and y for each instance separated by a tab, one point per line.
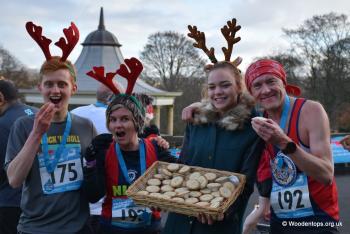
298	153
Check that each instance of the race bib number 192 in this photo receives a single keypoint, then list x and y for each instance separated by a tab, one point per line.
126	214
292	201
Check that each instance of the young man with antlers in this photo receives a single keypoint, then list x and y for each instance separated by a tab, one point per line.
44	154
127	158
220	137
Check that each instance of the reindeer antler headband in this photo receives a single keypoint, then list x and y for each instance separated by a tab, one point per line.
131	75
135	67
130	71
71	34
228	31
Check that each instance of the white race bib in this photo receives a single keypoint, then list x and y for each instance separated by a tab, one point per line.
126	214
292	201
68	174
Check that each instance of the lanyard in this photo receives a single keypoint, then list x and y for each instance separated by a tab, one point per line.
283	123
122	164
51	164
100	104
285	110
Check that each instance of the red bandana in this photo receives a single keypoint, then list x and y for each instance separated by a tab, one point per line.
269	66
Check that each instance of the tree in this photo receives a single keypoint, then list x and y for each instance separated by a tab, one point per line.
322	44
191	92
170	58
13	70
172	63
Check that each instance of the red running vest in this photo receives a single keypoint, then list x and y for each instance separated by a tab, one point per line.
324	196
112	175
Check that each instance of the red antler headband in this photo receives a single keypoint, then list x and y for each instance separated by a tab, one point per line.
131	75
71	34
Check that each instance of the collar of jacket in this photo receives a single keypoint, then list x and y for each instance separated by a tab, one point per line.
232	120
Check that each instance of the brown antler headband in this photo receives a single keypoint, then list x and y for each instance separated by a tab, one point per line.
229	32
71	34
131	75
200	39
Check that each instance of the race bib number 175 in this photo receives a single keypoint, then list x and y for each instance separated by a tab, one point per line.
68	174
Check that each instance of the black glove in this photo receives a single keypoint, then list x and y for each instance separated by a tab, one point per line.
98	146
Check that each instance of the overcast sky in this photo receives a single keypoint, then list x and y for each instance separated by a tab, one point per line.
132	21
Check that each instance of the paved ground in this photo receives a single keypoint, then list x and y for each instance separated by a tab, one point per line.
342	176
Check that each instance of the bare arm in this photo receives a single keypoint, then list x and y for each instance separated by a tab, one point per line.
319	162
20	166
314	130
161	142
254	217
187	112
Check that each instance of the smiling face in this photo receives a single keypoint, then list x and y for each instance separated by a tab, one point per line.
57	87
269	91
122	126
223	89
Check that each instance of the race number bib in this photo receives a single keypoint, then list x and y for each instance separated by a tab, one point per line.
126	214
292	201
67	176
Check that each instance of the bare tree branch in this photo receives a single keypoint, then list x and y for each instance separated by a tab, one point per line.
169	58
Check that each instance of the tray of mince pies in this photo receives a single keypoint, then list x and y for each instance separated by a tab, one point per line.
186	189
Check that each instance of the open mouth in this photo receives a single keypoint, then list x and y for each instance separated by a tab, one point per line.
120	134
55	99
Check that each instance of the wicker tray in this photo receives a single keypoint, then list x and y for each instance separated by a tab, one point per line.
181	207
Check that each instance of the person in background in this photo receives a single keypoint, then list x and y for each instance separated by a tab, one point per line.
11	109
220	137
97	112
264	183
150	130
346	142
261	210
44	154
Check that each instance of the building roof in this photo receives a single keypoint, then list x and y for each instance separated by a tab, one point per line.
101	37
101	48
